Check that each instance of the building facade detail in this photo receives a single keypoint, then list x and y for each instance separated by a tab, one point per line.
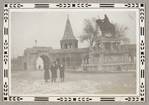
108	53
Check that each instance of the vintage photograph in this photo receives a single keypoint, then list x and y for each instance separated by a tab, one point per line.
70	51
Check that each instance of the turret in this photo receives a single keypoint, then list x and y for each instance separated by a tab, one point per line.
68	41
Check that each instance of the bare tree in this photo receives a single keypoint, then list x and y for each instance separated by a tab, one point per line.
90	32
120	32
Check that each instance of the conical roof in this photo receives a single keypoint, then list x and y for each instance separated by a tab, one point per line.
68	33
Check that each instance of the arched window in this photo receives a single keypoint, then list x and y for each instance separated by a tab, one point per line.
70	45
65	45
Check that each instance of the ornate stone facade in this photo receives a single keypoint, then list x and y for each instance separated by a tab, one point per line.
108	54
102	57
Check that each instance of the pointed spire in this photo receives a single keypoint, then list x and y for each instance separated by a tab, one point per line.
68	34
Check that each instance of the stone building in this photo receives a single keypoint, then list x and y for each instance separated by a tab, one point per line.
72	56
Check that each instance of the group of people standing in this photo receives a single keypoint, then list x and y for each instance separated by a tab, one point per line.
54	67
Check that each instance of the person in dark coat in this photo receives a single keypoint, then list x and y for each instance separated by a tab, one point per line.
62	70
46	72
54	71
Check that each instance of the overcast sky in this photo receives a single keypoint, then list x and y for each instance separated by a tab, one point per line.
47	26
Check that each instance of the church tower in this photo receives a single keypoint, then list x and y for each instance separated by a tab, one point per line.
68	41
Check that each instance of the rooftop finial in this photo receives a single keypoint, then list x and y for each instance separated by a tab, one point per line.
67	16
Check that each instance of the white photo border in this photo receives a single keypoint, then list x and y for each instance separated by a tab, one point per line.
7	55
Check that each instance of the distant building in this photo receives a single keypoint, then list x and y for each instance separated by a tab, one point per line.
72	56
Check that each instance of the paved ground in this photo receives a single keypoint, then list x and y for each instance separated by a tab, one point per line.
32	82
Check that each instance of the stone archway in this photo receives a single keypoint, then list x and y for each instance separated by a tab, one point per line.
45	60
85	58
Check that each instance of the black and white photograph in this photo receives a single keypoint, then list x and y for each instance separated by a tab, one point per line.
75	52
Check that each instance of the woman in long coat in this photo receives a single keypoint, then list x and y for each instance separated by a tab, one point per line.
62	69
46	73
